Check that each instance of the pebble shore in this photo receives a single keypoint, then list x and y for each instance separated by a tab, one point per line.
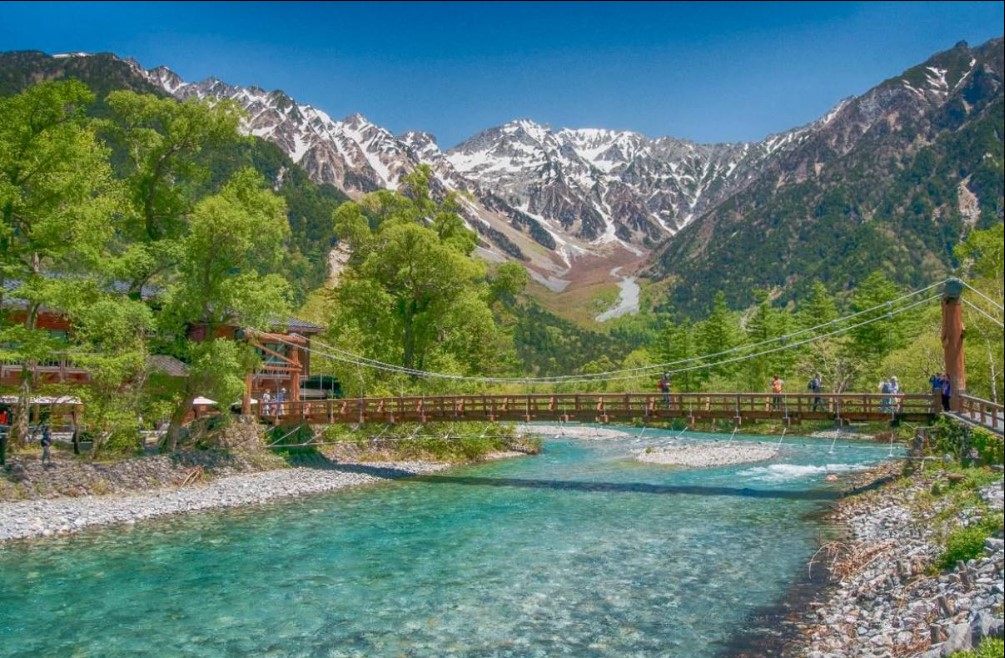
704	454
887	599
571	432
707	455
46	517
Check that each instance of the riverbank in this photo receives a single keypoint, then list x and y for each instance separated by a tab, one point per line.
887	595
572	432
707	455
687	454
52	516
71	494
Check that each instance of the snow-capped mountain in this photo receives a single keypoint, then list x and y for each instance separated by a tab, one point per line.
573	192
567	201
352	154
609	185
886	181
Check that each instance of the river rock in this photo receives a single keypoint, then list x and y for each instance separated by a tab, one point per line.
959	639
986	625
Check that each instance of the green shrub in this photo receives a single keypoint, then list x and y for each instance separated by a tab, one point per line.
957	439
966	543
991	647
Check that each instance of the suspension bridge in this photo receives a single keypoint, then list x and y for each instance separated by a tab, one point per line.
608	408
658	407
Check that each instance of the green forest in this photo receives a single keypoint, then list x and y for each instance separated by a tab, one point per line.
152	216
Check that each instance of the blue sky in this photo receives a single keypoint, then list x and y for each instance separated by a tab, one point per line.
716	72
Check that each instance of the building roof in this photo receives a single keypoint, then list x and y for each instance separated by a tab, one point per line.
147	291
296	325
167	365
46	400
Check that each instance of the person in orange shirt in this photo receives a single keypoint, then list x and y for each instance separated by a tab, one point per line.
777	385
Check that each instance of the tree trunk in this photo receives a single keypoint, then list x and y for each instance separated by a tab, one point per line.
408	340
174	430
19	428
22	411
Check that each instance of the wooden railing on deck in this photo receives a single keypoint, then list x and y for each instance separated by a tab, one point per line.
608	407
989	414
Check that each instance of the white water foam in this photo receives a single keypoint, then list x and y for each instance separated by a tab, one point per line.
789	472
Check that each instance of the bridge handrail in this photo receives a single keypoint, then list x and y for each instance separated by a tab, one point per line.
642	403
982	411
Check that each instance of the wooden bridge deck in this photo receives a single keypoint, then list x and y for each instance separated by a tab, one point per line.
608	408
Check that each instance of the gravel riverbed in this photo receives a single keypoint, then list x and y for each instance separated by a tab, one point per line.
887	598
707	455
49	516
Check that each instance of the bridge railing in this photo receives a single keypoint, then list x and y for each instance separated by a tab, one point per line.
602	406
989	414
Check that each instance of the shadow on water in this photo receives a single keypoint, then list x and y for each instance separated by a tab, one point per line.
324	463
642	487
629	487
321	462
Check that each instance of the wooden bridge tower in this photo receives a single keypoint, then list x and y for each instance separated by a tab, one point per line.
952	340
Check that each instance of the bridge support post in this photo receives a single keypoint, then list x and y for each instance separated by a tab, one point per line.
246	398
952	340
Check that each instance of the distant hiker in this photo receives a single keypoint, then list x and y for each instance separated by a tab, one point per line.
935	381
947	390
665	388
777	385
816	386
884	388
266	403
895	389
46	444
280	399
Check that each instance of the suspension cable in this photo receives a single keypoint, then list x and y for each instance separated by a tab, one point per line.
612	375
350	357
984	313
987	298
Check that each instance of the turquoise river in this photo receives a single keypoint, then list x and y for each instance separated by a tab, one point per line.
580	551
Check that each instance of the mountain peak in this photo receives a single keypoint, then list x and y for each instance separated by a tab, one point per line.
165	78
357	120
528	127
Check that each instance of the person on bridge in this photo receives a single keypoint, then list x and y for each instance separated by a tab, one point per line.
884	402
281	402
665	388
816	387
777	385
947	390
935	381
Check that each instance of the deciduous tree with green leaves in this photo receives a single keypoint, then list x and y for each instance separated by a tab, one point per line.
161	141
982	256
411	293
225	276
58	202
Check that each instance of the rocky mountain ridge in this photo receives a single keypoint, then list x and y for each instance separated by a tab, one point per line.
887	180
552	199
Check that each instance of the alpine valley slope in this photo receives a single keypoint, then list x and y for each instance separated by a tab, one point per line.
889	180
570	204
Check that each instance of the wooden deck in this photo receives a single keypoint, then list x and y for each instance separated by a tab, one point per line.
609	408
989	415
